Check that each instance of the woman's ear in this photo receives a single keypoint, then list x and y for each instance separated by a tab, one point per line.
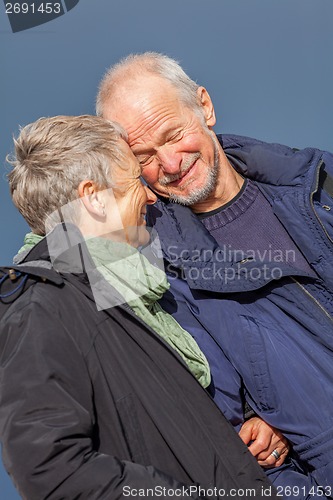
207	106
92	197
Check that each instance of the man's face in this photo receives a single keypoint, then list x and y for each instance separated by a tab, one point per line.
177	151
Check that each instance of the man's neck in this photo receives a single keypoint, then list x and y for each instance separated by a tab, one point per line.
228	186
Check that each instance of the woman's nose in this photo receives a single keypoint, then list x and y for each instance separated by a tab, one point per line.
151	197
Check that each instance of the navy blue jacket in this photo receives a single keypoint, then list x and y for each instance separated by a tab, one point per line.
266	329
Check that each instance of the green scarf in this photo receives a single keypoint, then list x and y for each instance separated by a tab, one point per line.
142	285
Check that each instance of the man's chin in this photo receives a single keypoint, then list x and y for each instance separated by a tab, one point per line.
195	196
192	193
185	197
181	199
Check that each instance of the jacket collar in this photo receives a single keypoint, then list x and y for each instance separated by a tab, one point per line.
272	164
63	256
61	251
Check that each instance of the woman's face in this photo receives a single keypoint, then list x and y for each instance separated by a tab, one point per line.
127	199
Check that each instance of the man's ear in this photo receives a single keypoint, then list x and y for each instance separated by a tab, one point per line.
92	197
207	106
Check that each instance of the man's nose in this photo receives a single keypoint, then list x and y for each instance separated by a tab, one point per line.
169	160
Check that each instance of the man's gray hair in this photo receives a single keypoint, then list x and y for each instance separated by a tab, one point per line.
135	65
53	155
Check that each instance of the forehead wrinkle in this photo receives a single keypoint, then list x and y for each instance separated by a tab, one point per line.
142	106
152	128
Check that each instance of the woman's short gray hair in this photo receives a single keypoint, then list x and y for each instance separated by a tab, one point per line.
157	64
53	155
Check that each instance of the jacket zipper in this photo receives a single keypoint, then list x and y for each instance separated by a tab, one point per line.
311	200
327	314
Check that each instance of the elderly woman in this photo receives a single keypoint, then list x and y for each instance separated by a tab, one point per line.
95	404
95	401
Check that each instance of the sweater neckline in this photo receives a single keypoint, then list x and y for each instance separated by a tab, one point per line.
232	210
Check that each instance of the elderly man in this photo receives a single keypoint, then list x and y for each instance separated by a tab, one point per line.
96	401
247	231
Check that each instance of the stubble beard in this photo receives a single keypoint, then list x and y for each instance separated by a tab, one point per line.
201	193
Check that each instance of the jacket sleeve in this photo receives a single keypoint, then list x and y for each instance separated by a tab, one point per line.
47	417
323	198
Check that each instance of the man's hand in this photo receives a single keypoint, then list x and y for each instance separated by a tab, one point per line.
264	440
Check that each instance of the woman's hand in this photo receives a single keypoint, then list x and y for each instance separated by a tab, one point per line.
265	443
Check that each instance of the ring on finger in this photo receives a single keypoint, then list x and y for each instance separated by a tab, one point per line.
276	454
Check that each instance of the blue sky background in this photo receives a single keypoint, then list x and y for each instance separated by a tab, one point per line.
266	63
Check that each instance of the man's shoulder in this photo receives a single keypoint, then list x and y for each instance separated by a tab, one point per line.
271	162
238	142
235	140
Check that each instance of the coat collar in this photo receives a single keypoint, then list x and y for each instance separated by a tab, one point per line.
272	164
63	250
